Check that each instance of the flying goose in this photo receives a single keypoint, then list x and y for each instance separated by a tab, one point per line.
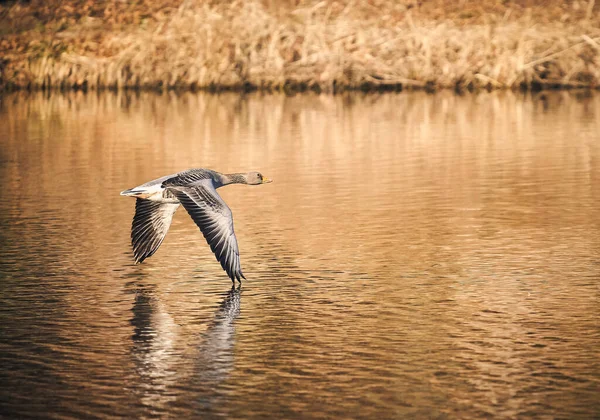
196	189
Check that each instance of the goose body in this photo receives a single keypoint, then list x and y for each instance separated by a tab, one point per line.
196	190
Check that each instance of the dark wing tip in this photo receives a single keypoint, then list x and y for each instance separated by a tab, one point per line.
234	271
141	250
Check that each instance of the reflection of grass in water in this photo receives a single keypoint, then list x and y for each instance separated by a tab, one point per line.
306	44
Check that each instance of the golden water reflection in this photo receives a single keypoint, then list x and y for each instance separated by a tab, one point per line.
417	255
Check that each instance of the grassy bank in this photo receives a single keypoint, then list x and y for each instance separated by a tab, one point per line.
320	45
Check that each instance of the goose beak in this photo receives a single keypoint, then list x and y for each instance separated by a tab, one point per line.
266	180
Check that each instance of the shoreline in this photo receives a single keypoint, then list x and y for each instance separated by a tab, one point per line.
298	46
299	88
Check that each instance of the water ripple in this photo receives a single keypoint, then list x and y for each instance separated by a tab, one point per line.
418	256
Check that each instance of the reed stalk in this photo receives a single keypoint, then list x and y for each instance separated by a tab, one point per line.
296	45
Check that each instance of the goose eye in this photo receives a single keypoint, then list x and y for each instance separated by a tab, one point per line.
260	176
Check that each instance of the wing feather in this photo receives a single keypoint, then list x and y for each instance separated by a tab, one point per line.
214	218
150	226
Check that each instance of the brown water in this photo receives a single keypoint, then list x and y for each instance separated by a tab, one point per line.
429	256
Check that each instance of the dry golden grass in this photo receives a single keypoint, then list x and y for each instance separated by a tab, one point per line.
322	45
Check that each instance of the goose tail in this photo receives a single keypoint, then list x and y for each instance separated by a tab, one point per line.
132	192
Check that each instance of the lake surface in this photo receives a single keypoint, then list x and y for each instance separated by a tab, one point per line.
417	256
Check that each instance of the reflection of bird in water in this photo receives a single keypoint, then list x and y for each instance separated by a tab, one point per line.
215	356
215	350
154	338
167	366
196	189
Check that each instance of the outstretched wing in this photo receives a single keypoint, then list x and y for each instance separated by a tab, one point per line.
150	226
214	218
